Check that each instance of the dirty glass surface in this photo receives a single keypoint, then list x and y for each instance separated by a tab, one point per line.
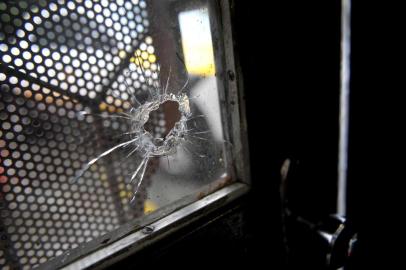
109	110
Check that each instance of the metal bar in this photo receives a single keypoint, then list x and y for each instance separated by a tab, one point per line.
344	105
139	239
235	98
166	42
11	71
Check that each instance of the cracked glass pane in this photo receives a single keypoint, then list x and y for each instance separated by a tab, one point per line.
110	110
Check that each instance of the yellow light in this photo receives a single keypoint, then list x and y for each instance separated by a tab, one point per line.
102	106
149	206
111	108
196	42
122	54
144	55
152	58
146	64
123	194
199	60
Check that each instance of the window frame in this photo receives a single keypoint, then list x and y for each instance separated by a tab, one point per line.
141	232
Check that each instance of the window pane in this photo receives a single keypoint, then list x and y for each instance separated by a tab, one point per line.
109	110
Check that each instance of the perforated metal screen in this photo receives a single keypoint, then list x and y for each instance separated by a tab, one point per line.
59	58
